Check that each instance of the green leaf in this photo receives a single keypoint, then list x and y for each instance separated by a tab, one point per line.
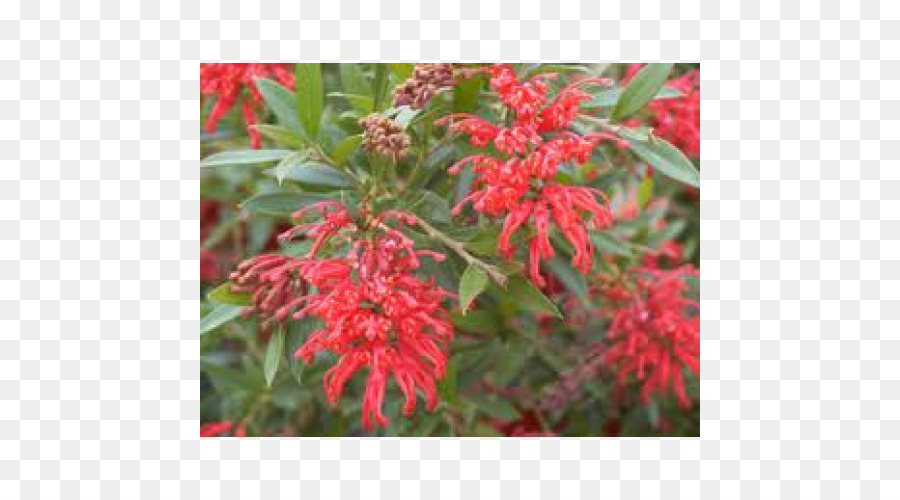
273	356
404	115
473	281
380	85
298	333
288	163
221	314
315	174
645	191
244	157
432	207
538	69
363	103
465	95
281	135
228	378
280	204
282	102
310	98
401	71
497	408
476	321
610	97
572	279
529	297
345	148
667	159
223	294
608	244
353	79
642	88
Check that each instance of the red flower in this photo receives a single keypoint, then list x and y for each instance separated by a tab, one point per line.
522	187
227	81
213	429
375	312
677	120
655	332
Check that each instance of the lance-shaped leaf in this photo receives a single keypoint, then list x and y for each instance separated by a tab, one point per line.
273	356
245	157
280	204
221	314
282	102
529	297
641	90
314	174
310	98
473	281
667	159
223	294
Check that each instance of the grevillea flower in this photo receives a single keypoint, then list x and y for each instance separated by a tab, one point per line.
212	429
375	312
227	82
655	332
522	187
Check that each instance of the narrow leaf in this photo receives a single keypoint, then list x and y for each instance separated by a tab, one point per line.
282	102
363	103
353	79
288	163
571	278
244	157
401	71
223	294
642	88
280	204
608	244
221	314
667	159
645	191
281	135
315	174
273	356
529	297
473	281
345	148
610	97
310	98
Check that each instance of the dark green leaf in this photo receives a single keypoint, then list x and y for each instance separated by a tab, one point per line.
497	408
473	281
228	378
667	159
282	102
221	314
641	90
432	207
298	334
529	297
223	294
465	95
610	97
315	174
280	204
310	98
476	321
244	157
273	356
571	278
345	148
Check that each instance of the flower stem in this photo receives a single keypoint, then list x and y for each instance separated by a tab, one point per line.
493	272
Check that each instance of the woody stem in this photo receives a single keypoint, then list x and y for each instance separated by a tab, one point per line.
493	272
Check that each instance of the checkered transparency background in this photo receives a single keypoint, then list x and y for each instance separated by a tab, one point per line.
99	258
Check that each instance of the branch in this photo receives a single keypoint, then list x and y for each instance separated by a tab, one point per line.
493	272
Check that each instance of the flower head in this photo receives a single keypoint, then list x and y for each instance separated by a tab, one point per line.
384	137
227	82
426	81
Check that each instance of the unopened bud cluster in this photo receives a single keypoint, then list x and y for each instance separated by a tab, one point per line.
427	80
383	136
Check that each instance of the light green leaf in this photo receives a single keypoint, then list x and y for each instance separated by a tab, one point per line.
345	148
667	159
280	204
315	174
310	98
401	71
281	135
473	281
244	157
288	163
221	314
609	244
610	97
404	115
353	79
642	88
273	356
645	191
529	297
223	294
363	103
282	102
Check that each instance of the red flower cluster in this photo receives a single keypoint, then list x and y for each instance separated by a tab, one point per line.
678	120
228	80
655	331
522	186
376	313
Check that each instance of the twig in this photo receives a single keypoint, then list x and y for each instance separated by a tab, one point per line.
493	272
